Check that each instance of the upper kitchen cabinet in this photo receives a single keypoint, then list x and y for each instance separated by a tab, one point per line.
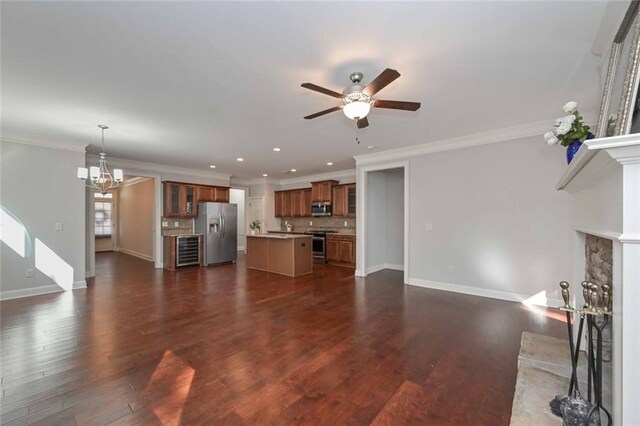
350	191
306	205
293	203
321	192
344	200
180	200
213	194
339	204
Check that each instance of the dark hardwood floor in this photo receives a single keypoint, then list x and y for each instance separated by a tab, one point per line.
226	345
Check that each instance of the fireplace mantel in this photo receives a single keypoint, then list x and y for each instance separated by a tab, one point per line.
604	177
593	161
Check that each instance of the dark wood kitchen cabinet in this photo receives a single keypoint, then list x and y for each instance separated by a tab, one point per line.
321	192
344	200
181	199
293	203
341	250
214	194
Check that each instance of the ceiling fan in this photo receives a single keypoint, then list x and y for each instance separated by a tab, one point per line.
357	99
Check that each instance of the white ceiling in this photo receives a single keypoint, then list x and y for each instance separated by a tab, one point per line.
193	84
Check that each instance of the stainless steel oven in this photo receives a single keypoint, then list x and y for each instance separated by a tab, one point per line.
321	209
319	245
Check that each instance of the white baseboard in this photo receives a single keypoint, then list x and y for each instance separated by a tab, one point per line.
79	284
135	253
376	268
394	266
358	273
35	291
31	291
484	292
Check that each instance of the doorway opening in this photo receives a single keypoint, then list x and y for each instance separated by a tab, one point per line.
103	221
123	220
383	219
237	196
135	210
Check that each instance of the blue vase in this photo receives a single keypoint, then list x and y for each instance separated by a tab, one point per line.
572	150
573	147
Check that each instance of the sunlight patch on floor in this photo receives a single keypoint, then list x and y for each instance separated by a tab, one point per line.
171	369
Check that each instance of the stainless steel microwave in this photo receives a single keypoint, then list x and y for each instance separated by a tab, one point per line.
321	209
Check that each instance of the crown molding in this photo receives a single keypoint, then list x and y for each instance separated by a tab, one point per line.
478	139
78	147
158	169
321	176
135	180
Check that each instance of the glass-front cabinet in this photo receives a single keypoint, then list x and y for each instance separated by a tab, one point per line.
172	199
351	200
189	200
181	199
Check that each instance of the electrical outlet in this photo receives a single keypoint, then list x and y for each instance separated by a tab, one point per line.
176	224
59	226
29	273
165	224
346	223
286	222
428	226
450	269
310	223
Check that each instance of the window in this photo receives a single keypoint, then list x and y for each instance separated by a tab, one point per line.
103	219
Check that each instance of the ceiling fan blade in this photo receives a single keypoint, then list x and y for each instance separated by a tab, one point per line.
381	81
317	88
403	105
326	111
362	123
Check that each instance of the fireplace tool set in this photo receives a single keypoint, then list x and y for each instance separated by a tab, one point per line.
573	408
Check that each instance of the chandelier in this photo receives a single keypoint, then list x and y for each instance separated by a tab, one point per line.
99	177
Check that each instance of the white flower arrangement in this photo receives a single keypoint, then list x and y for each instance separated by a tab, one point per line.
568	128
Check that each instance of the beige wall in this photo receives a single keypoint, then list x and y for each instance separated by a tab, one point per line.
135	219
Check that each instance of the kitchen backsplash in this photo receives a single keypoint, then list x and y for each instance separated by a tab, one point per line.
302	224
177	226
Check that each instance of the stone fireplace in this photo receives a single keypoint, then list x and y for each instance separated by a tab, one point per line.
598	253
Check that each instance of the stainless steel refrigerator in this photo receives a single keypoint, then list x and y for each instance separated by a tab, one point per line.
218	224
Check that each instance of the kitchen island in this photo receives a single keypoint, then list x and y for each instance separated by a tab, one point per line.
285	254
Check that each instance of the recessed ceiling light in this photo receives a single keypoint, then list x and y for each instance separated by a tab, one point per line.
240	159
212	166
276	149
329	164
370	147
293	170
264	175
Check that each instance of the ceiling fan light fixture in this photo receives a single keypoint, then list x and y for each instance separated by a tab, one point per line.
356	109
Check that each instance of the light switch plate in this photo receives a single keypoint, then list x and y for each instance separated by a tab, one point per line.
428	226
59	226
29	273
165	224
